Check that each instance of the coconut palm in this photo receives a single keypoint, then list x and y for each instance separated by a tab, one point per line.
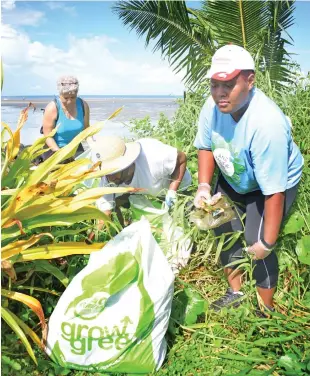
188	37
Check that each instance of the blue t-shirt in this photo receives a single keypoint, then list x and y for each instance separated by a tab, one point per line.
257	152
68	128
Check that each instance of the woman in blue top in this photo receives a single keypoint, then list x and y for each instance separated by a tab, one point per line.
248	137
68	112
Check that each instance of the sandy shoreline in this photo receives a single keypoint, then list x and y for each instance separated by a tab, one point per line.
90	101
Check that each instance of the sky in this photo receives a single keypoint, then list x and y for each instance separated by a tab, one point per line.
42	40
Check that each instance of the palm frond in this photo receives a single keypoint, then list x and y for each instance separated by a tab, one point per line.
274	57
258	26
180	36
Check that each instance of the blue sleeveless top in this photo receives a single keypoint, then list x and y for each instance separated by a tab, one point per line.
68	128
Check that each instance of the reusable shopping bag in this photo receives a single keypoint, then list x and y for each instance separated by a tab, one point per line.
114	314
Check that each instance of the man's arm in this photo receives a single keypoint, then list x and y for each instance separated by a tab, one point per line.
206	166
49	119
100	225
178	172
274	206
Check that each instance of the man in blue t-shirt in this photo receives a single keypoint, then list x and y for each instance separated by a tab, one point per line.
248	137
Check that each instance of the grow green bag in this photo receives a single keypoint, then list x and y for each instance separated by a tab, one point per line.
114	314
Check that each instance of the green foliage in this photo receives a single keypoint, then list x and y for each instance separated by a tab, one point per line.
34	203
236	342
201	342
189	37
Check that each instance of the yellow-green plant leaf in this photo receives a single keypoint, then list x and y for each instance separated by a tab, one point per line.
85	213
16	136
8	153
115	113
46	167
63	249
27	330
20	245
46	267
32	303
27	194
68	204
9	319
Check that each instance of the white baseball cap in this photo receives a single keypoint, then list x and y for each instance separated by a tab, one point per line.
228	61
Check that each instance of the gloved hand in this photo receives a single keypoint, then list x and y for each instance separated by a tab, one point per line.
170	199
259	251
203	193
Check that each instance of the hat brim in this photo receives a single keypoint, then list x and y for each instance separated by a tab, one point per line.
132	152
223	76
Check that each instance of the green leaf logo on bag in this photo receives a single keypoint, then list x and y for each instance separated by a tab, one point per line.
102	283
89	309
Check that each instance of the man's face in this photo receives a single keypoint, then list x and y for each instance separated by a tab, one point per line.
116	178
232	95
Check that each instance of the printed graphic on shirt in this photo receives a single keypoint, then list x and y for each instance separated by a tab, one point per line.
227	158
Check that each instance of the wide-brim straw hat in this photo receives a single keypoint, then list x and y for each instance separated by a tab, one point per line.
114	153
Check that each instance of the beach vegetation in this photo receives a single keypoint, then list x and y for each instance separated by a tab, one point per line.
40	208
188	37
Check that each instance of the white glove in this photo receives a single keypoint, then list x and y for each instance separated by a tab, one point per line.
170	199
203	193
258	251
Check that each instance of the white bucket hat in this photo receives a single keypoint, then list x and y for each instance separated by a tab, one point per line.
228	61
114	153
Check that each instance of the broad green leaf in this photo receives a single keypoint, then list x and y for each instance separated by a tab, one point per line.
195	306
9	319
294	224
303	249
46	267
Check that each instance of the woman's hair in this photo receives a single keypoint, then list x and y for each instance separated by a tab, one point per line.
67	84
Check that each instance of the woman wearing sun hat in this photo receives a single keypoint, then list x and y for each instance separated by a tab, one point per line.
69	112
158	168
248	137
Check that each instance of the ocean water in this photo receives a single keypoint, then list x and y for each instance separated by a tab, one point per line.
101	107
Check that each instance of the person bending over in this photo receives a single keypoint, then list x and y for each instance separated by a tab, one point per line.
159	169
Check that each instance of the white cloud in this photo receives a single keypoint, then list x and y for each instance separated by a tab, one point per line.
91	59
57	5
23	17
8	4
